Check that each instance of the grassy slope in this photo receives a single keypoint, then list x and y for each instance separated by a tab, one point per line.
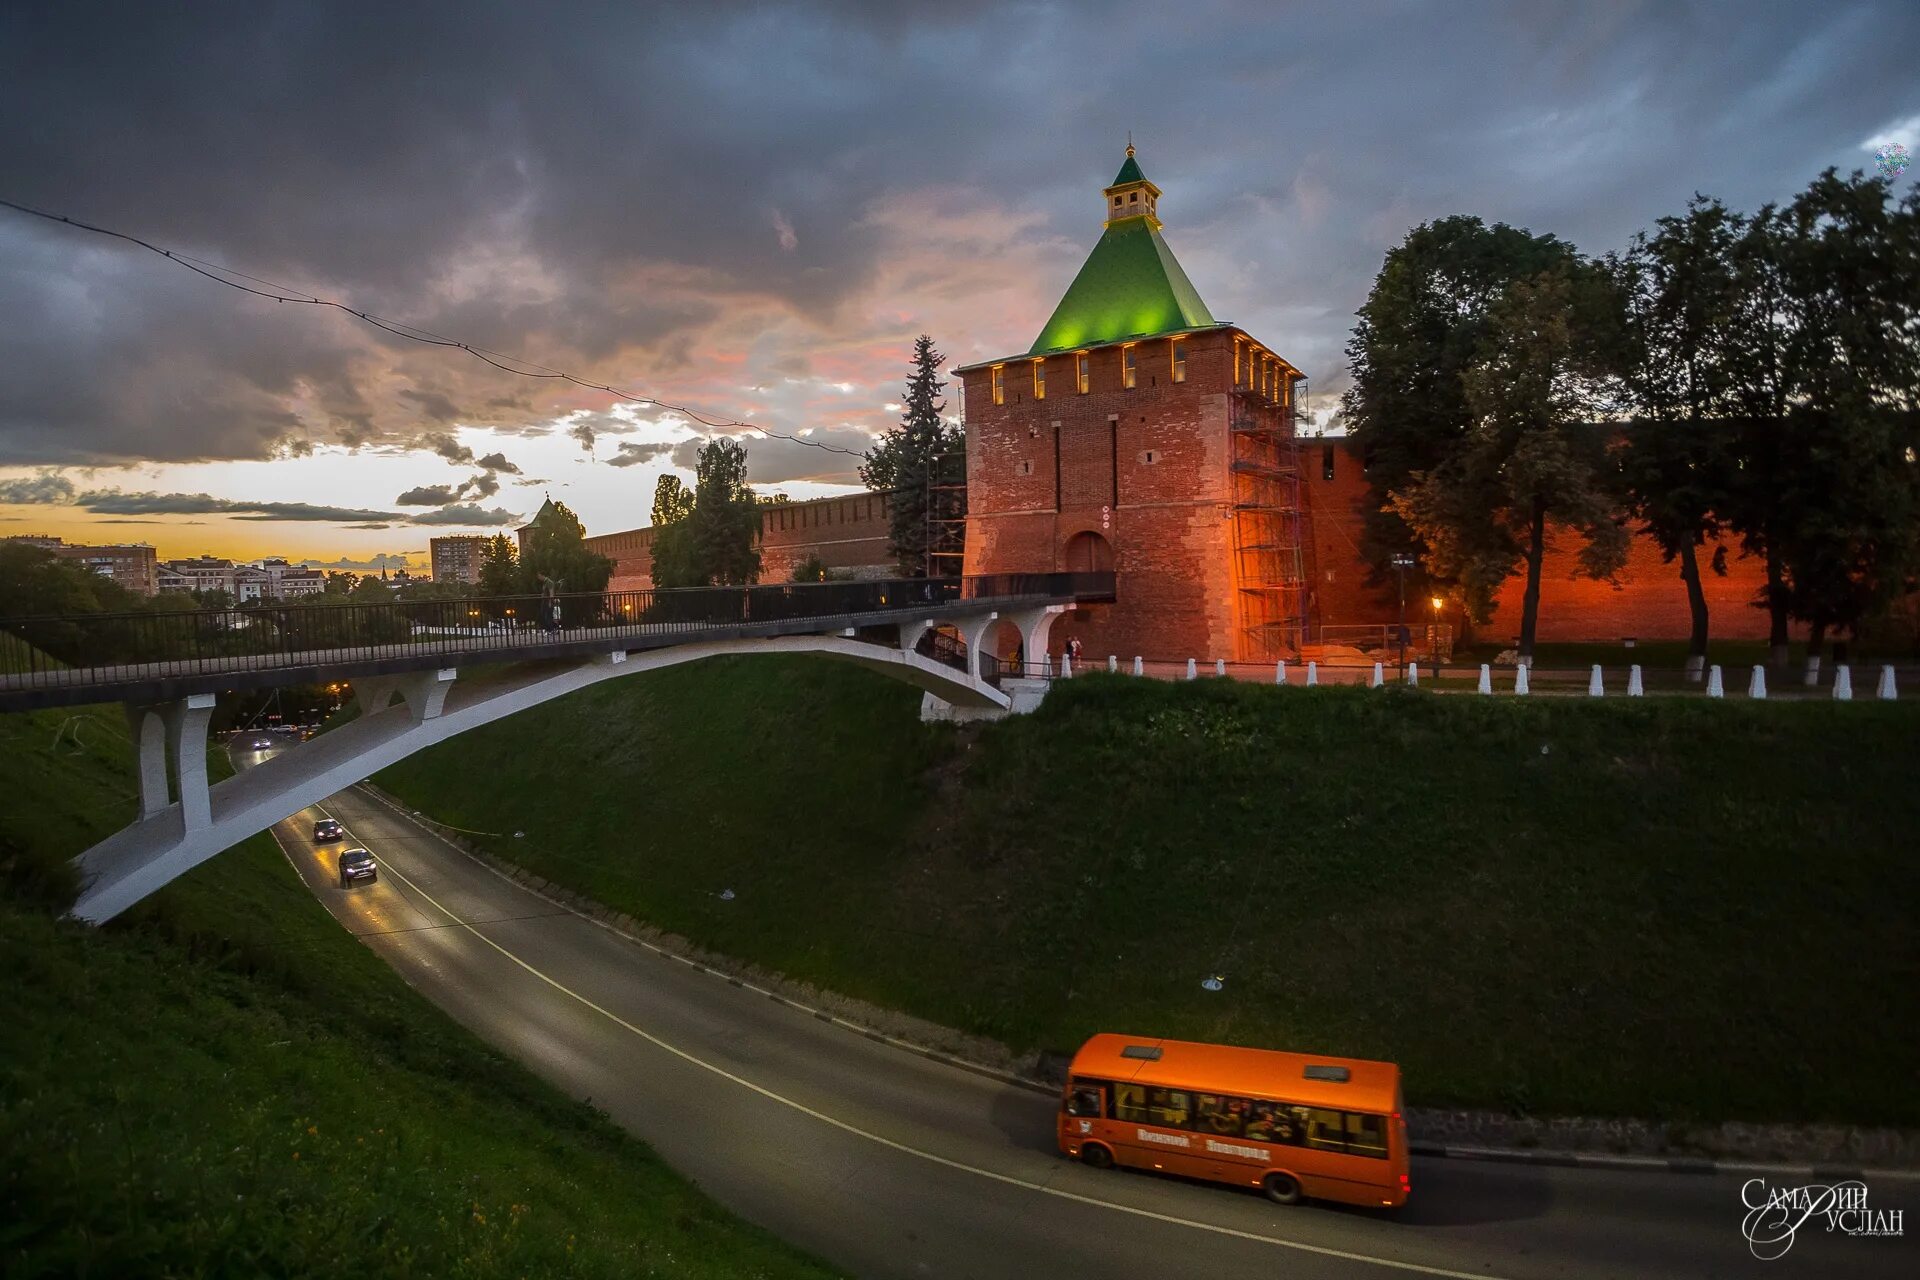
225	1083
1667	908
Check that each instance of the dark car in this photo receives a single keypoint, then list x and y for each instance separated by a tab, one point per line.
327	830
357	865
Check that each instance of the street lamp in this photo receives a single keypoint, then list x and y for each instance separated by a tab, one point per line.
1402	562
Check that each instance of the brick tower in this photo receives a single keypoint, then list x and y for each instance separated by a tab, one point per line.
1140	434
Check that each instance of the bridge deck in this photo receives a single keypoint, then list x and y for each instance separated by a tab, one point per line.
265	652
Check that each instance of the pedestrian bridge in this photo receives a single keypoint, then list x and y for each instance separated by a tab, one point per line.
423	671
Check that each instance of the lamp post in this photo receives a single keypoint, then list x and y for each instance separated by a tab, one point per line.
1401	563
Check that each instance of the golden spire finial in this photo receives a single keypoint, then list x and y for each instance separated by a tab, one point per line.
1129	142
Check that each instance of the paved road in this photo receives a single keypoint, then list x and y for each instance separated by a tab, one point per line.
891	1165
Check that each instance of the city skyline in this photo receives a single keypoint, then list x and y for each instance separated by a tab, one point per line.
771	261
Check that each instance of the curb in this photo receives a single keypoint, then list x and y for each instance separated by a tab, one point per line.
1648	1164
1703	1165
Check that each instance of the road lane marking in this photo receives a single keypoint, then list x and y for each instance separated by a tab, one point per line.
929	1156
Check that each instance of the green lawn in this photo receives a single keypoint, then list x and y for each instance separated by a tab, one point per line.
226	1083
1677	909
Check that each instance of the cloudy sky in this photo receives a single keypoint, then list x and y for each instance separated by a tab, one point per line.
752	210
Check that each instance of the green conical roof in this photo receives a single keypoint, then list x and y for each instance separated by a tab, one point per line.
1131	287
543	515
1129	172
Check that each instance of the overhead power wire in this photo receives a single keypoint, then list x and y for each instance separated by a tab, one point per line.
502	361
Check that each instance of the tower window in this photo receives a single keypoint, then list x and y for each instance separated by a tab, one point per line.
1039	379
1134	198
1081	373
999	384
1179	360
1128	370
1236	362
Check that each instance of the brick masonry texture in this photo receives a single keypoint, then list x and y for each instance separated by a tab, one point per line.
1646	600
847	533
1143	487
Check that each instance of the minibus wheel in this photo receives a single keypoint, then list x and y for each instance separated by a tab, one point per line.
1096	1156
1281	1188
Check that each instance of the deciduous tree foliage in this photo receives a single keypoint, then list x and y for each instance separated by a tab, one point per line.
1539	378
672	501
716	543
1678	461
1828	375
1421	327
500	567
907	456
556	553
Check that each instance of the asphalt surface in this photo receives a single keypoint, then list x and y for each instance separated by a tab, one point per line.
892	1165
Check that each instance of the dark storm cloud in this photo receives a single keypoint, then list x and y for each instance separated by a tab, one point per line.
774	461
46	487
466	514
614	185
428	495
498	462
445	445
631	453
116	502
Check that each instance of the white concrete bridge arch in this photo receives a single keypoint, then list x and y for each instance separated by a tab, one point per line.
402	714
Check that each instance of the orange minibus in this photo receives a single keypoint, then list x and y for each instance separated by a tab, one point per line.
1291	1124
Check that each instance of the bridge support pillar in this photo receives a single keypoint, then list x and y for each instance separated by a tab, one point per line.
148	727
974	632
1035	624
912	633
174	733
424	693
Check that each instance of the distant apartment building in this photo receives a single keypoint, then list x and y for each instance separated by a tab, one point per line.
270	579
457	557
134	566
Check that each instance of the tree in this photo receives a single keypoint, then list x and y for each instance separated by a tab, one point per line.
1678	461
1420	329
1531	454
811	569
671	501
556	553
341	582
909	459
716	543
1827	376
499	567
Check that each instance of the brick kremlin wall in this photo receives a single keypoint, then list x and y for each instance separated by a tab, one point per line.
848	533
1647	601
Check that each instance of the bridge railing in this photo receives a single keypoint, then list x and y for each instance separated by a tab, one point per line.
105	648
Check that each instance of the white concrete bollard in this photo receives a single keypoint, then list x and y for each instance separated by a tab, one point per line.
1379	677
1280	671
1413	673
1843	683
1596	687
1634	688
1113	664
1715	687
1520	680
1193	672
1886	692
1486	679
1812	677
1313	674
1220	666
1139	667
1757	682
1066	666
1046	665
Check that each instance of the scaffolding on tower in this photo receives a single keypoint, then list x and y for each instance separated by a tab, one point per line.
1268	519
946	519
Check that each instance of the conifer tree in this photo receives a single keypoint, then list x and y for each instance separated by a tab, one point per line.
924	449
